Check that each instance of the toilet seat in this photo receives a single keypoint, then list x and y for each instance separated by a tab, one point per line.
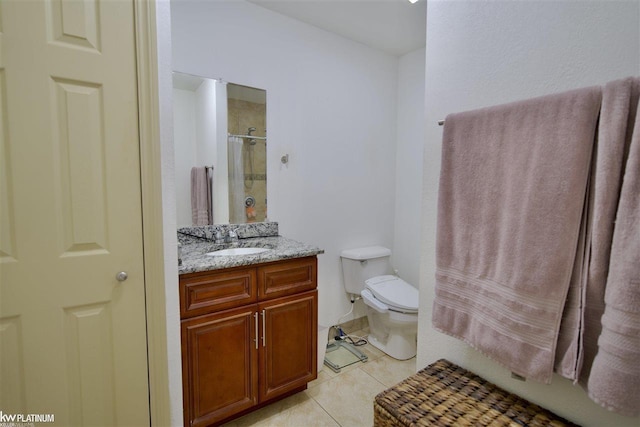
394	292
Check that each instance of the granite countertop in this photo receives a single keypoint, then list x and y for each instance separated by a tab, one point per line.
194	250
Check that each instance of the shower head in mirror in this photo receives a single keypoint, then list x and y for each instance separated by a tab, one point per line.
251	141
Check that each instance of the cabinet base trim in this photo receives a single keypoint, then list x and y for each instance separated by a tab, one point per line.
261	405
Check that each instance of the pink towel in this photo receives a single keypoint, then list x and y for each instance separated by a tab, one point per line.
512	192
201	212
568	358
580	328
619	103
614	378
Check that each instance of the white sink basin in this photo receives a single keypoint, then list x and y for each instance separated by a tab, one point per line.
238	251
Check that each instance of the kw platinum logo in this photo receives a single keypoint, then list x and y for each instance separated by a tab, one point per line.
7	420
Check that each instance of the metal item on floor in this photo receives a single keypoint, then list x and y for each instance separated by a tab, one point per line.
340	354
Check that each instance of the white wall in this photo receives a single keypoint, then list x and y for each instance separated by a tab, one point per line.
331	105
206	141
410	145
221	171
211	143
200	135
185	157
169	238
485	53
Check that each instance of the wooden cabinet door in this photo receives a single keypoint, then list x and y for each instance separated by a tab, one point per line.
289	343
219	365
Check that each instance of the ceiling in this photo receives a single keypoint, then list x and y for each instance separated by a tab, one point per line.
393	26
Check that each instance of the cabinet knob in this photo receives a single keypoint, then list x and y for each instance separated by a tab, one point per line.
122	276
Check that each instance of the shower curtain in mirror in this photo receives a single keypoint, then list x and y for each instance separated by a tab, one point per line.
236	181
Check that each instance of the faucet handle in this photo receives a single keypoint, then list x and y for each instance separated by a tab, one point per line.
233	233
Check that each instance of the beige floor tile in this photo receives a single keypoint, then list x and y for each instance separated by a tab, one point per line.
372	352
390	371
325	374
294	411
336	399
329	372
268	411
349	397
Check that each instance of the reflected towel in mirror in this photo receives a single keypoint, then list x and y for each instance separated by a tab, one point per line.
201	208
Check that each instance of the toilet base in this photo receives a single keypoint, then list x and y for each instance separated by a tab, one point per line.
393	332
397	347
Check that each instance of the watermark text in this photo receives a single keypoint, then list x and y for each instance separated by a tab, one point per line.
24	420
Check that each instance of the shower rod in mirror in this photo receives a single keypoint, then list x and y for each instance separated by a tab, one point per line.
248	136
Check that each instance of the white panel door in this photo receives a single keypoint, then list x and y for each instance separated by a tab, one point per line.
72	337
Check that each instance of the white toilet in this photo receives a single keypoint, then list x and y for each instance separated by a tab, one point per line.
392	303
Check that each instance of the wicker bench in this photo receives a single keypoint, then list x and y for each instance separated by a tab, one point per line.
444	394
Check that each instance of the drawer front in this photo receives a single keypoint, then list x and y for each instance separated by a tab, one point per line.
287	277
202	293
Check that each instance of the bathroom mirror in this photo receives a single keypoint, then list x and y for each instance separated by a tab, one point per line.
221	127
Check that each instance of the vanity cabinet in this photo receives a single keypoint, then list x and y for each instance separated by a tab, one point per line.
249	337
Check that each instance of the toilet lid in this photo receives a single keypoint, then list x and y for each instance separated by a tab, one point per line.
394	291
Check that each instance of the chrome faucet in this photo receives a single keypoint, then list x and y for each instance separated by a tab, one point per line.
232	236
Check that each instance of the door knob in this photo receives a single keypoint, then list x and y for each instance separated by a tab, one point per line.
122	276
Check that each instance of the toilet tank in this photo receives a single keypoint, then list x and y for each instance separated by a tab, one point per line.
361	264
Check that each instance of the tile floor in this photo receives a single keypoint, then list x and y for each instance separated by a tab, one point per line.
335	399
